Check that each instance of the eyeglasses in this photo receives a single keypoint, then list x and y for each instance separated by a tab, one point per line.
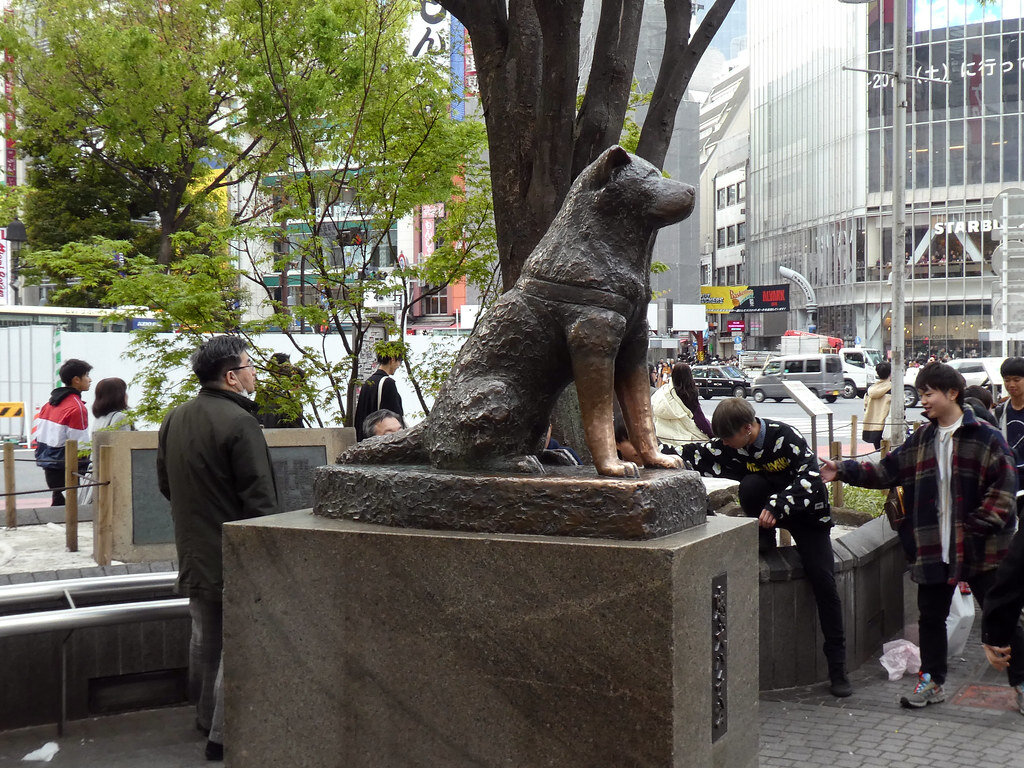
243	367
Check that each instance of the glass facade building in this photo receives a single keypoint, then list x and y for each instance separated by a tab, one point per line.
963	148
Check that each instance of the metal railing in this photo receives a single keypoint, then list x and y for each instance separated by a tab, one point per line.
31	620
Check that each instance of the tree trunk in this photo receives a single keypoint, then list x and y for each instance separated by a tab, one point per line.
167	228
527	55
603	111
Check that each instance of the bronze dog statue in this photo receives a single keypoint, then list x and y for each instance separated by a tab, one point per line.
578	312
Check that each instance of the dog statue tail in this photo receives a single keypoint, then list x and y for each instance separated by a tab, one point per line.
404	447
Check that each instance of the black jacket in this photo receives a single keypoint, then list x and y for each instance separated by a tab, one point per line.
214	466
1005	599
369	401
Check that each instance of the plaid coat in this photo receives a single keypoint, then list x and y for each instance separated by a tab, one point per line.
982	489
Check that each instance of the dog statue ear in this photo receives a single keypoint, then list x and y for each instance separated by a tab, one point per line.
610	159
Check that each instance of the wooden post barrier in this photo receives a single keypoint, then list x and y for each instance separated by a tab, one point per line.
71	494
103	531
12	509
853	436
835	453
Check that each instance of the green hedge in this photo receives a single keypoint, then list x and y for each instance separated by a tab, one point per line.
868	500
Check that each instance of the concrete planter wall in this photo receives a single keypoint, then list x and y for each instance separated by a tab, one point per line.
869	574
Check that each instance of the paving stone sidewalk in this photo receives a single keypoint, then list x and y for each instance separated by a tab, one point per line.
978	726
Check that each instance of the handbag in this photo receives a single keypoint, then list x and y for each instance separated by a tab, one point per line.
895	510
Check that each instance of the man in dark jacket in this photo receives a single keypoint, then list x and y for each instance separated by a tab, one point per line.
962	483
64	417
781	486
214	466
379	391
1003	604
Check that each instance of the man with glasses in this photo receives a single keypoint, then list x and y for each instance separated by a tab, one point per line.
214	466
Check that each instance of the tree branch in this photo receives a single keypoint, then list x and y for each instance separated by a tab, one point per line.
677	65
606	100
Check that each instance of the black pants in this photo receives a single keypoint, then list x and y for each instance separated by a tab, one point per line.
933	602
814	545
55	479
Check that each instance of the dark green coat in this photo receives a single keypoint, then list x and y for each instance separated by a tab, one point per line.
214	466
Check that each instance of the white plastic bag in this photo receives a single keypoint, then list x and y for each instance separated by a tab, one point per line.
44	754
959	622
900	656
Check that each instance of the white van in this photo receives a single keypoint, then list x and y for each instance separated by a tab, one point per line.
821	373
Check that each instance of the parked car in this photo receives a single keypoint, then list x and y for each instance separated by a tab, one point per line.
820	373
983	371
720	380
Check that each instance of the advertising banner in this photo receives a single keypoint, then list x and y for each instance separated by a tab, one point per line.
722	299
5	269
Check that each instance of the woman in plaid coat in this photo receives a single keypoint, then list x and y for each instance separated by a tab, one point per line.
959	480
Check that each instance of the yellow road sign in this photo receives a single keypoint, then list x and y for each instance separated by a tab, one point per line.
11	410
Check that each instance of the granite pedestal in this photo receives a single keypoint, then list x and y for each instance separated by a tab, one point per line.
358	645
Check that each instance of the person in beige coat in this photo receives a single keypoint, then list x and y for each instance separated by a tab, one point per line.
678	419
877	400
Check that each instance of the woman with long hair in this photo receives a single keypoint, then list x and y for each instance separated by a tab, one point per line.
678	418
110	406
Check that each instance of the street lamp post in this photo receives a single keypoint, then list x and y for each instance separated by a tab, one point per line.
897	412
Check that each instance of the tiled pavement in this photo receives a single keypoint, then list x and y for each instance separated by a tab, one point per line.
978	726
800	728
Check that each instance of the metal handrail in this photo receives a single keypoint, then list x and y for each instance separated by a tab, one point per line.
93	616
124	584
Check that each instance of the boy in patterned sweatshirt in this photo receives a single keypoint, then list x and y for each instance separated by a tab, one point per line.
781	486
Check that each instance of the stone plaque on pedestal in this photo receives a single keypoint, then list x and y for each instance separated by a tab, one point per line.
364	646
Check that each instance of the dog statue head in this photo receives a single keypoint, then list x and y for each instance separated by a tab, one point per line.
626	183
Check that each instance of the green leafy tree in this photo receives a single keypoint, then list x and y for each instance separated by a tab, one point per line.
11	202
368	136
361	135
148	90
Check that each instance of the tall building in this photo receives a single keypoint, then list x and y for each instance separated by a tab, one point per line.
724	158
820	196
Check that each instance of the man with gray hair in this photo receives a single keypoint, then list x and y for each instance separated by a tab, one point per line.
381	422
214	466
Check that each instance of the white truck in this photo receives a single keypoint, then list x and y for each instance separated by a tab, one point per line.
858	369
858	362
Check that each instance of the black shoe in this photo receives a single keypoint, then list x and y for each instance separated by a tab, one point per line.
840	686
214	751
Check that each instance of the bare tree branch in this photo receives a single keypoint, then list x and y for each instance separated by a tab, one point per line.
606	99
677	66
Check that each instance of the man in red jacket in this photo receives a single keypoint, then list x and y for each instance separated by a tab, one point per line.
64	417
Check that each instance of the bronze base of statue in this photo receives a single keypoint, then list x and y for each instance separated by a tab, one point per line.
567	501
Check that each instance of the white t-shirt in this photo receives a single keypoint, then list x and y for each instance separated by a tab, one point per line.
944	460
